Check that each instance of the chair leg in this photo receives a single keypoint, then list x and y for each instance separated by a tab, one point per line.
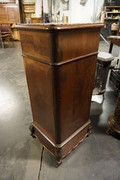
3	43
111	46
103	97
13	42
8	42
0	42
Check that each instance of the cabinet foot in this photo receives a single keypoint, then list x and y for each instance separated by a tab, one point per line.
89	129
59	162
32	130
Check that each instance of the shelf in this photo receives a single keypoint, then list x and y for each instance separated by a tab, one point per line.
113	12
113	30
112	7
111	19
29	3
29	11
111	15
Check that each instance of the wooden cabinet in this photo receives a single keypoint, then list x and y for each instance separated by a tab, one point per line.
28	11
9	13
60	63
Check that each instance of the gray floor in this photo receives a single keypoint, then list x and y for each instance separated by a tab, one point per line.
96	158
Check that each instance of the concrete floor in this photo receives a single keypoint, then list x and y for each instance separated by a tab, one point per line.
96	158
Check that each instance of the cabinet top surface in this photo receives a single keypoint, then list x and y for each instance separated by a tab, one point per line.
56	26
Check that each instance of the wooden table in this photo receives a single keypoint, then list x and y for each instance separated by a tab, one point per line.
60	63
113	40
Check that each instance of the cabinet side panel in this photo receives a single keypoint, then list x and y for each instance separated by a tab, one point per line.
74	90
76	43
36	44
39	78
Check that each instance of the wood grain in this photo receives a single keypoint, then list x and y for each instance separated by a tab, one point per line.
60	63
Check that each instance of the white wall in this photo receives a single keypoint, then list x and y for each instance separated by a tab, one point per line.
16	1
98	8
38	10
5	1
28	0
84	14
77	12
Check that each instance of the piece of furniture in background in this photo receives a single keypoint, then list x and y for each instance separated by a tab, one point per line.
9	13
112	15
15	33
113	40
36	19
115	78
0	40
102	68
114	121
115	72
28	11
60	63
111	2
6	35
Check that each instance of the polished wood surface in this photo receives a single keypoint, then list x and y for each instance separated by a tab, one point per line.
58	27
60	62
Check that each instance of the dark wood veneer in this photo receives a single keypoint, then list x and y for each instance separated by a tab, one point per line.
60	62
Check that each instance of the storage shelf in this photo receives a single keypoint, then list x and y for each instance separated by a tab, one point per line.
111	19
112	16
29	11
112	7
113	12
28	3
114	30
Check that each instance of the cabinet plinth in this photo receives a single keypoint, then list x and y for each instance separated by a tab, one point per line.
60	63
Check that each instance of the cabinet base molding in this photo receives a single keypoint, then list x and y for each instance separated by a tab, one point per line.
61	150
